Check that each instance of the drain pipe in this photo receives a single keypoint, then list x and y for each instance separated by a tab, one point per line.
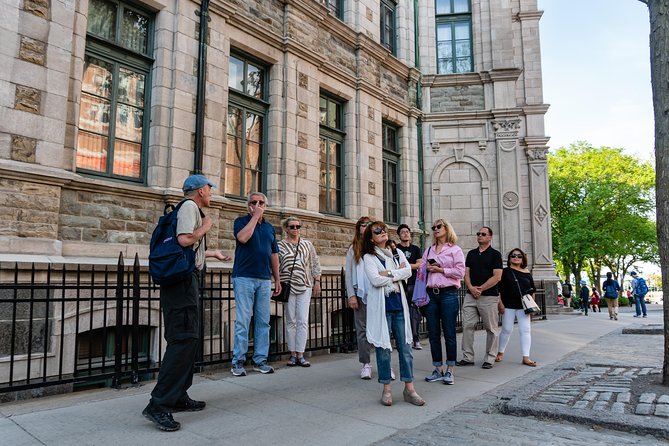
203	13
419	129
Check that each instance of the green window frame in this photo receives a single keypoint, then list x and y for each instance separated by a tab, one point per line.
246	144
331	155
114	110
336	7
387	24
391	174
454	36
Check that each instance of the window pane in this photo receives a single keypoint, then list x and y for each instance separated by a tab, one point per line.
234	121
461	31
253	127
254	82
461	6
333	118
97	77
236	74
445	66
444	7
443	33
444	50
94	114
91	152
324	111
102	19
129	123
134	31
233	180
253	155
464	65
131	87
251	181
127	159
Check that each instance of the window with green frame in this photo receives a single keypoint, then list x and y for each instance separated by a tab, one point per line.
391	174
114	108
331	155
388	25
454	36
246	139
336	7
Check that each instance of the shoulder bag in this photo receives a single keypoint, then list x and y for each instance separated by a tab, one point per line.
529	304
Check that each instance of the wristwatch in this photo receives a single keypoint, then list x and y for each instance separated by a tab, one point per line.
390	274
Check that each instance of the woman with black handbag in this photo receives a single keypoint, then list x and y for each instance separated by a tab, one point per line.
300	268
516	281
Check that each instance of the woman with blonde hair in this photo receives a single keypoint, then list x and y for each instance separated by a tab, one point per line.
445	265
298	264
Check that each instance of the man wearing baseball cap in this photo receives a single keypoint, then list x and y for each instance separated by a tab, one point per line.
639	294
180	307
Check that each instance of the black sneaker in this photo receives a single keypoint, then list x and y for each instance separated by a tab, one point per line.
189	405
162	420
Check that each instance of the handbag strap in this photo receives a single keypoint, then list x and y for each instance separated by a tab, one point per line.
294	259
517	284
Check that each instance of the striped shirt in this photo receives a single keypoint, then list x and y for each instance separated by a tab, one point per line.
307	265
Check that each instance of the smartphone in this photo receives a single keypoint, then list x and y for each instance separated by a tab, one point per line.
431	261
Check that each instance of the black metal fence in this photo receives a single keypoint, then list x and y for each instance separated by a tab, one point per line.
87	325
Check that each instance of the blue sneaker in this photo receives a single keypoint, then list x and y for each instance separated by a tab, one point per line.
263	368
238	369
435	376
448	379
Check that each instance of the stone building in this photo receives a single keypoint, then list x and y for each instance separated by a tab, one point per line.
404	110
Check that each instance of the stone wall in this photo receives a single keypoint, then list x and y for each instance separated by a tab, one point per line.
29	209
457	98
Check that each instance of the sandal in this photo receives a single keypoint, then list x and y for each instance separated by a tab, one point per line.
413	398
387	398
301	361
499	357
530	363
292	361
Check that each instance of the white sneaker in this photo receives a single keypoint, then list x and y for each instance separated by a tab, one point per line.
392	374
366	371
417	345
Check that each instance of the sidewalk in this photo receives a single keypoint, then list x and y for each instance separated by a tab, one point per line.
326	403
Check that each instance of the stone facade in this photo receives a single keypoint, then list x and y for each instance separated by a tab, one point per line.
472	145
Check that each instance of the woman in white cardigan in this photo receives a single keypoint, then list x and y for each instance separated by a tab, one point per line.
387	309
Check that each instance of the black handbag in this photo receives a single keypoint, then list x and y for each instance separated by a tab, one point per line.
285	286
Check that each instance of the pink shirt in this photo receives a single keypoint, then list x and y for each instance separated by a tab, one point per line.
452	260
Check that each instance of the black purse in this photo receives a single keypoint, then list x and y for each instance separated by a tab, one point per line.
285	286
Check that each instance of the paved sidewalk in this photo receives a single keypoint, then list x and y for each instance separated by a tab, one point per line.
328	403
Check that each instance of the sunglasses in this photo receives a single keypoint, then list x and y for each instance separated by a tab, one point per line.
364	224
257	203
516	256
481	234
379	231
437	227
294	226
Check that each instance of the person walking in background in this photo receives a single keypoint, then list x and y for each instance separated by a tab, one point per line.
566	293
413	255
584	297
356	290
299	265
446	268
387	311
639	290
595	300
180	306
516	282
256	262
611	289
483	270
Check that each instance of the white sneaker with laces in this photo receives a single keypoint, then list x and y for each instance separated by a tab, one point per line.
418	346
366	371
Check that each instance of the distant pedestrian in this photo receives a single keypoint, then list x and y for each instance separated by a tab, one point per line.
611	289
639	290
566	293
630	299
387	311
483	270
584	297
356	290
413	255
516	282
180	304
595	300
299	265
256	262
445	270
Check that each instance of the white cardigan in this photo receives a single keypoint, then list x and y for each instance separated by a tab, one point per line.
377	326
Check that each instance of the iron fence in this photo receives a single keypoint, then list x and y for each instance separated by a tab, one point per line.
86	325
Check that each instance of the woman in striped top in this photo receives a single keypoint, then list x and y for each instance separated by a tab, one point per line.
298	256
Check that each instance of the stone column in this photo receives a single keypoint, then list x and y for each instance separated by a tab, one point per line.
508	174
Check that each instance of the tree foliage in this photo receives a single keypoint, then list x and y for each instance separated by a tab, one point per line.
601	204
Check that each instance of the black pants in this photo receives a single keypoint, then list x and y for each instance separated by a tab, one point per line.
414	314
182	330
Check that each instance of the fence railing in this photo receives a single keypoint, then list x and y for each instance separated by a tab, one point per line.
85	325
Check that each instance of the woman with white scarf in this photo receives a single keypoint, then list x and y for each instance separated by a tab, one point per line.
387	310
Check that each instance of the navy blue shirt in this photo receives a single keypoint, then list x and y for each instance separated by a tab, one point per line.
254	258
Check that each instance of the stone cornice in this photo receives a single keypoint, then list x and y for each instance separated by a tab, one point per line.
504	74
451	80
538	142
529	15
476	115
536	109
256	29
223	8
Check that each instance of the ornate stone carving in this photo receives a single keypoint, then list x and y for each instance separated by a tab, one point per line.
23	148
459	153
302	201
32	50
372	163
510	199
303	80
540	213
371	188
27	99
536	154
506	128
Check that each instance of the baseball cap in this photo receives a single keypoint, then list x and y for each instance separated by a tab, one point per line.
633	273
583	282
195	182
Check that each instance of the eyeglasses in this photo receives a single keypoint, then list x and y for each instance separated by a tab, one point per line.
294	226
379	231
257	203
516	256
481	234
365	224
437	227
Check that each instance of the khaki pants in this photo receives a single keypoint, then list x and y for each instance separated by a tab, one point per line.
612	305
486	308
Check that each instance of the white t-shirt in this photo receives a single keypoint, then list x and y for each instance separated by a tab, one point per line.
188	220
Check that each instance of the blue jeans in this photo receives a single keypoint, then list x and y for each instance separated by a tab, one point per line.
640	303
396	326
251	299
442	314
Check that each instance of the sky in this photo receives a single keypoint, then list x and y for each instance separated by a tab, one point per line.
596	74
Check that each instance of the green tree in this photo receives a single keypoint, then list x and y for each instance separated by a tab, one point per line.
600	202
